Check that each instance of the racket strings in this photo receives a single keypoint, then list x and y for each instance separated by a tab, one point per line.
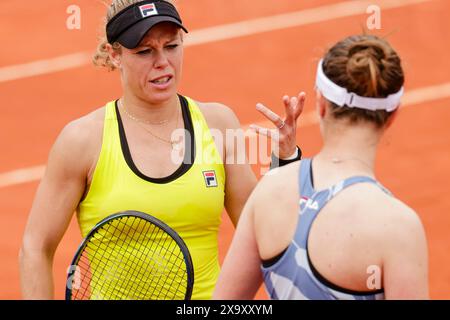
111	273
125	285
157	273
131	258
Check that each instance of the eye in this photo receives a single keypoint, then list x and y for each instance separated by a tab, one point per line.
143	52
172	46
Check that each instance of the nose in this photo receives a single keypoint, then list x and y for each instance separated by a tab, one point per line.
161	60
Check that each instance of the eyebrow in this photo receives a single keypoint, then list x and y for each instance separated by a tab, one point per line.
170	39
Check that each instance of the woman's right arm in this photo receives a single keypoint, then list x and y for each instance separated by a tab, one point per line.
57	198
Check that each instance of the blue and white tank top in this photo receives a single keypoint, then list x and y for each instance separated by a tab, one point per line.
292	275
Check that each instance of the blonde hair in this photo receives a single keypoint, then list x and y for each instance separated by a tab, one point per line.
101	57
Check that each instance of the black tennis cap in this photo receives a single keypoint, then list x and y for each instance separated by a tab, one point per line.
130	25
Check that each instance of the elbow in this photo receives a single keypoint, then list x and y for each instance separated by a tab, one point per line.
32	250
33	260
24	254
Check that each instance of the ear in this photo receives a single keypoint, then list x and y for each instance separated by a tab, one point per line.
114	55
392	118
321	104
181	34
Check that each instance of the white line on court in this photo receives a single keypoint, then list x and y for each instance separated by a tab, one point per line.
21	176
412	97
42	67
218	33
292	19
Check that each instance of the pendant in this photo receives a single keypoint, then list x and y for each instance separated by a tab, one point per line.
175	145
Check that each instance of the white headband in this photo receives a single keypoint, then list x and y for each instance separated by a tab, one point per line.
342	97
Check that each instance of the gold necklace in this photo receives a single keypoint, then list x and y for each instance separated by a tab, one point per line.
174	144
140	120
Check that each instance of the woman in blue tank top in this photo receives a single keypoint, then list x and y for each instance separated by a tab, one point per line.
325	228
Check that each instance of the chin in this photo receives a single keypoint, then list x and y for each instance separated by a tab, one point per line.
160	97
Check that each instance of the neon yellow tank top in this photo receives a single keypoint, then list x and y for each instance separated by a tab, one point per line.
187	201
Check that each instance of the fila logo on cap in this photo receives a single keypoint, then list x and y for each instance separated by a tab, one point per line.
148	10
210	178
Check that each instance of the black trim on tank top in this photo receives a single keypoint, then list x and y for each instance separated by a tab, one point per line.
270	262
311	175
335	287
189	157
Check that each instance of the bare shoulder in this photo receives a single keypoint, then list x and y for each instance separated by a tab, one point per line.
388	216
403	219
279	177
85	130
386	206
218	115
400	237
79	141
279	188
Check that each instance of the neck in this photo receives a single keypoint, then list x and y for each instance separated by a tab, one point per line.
351	147
153	113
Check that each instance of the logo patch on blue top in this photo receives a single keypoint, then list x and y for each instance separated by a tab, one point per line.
210	178
308	203
148	10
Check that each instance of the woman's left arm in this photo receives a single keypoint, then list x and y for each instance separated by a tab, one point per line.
240	179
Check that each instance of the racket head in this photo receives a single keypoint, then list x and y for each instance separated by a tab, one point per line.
169	236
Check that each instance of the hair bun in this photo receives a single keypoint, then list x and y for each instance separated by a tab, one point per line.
366	61
368	66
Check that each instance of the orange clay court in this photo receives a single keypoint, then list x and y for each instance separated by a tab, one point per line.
47	80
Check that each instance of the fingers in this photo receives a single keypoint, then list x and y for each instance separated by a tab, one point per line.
271	133
300	104
269	114
294	107
288	110
290	104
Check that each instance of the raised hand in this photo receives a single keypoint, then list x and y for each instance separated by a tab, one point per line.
286	129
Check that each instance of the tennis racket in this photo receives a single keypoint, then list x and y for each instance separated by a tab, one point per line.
131	256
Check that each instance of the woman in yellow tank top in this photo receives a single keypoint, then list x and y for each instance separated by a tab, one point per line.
151	150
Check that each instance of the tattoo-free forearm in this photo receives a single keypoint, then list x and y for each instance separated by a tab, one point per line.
36	275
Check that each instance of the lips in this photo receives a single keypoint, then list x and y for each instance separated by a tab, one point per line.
161	80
